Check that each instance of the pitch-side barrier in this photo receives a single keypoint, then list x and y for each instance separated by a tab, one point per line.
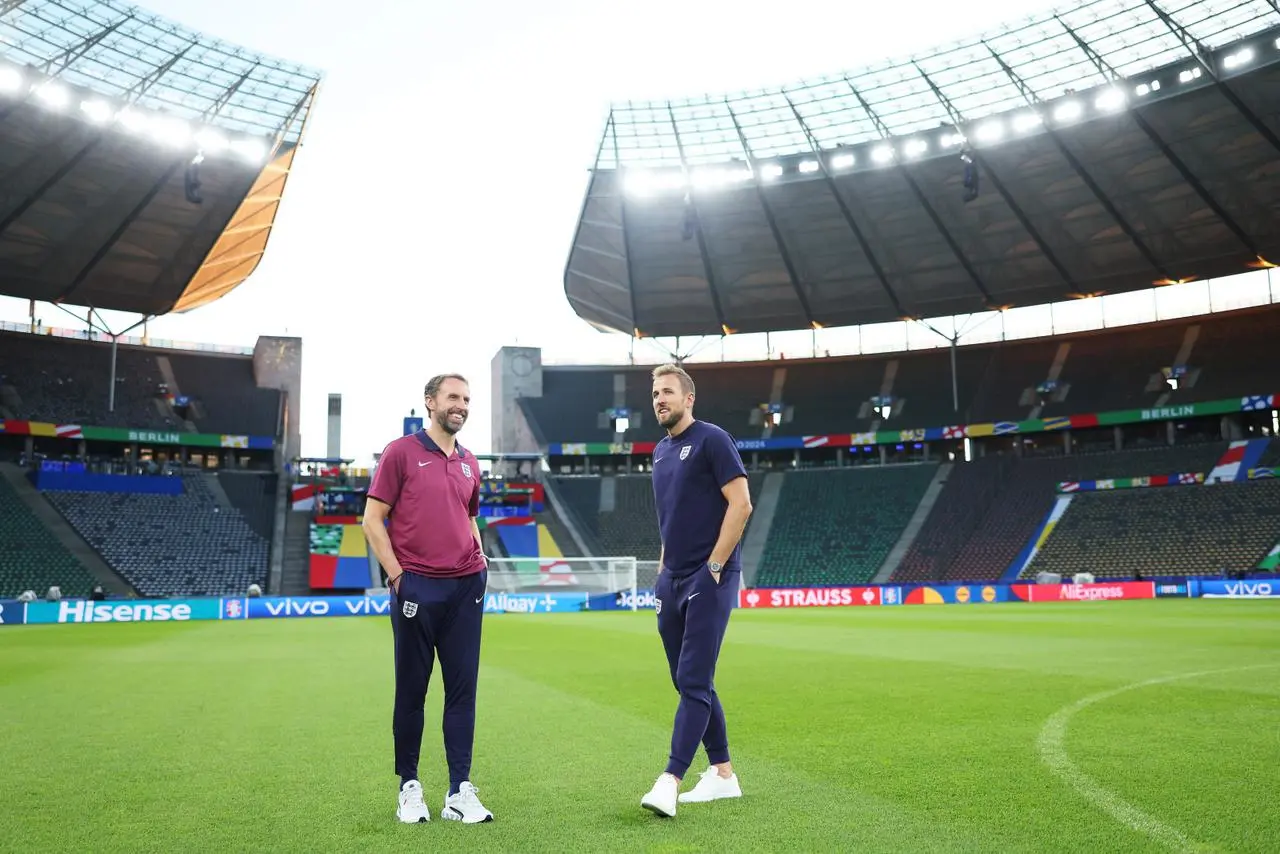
73	611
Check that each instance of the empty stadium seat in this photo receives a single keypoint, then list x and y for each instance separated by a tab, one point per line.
630	528
32	558
1177	530
184	545
967	495
67	381
1028	494
837	526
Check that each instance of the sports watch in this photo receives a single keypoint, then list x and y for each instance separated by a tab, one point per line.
714	567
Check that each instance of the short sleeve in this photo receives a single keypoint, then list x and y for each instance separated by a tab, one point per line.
474	509
726	462
388	476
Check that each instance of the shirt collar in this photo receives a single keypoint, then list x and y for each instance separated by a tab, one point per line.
430	444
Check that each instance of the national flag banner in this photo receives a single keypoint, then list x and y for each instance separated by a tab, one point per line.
956	432
1061	422
1003	428
1255	403
1069	486
977	431
1263	473
1189	478
913	435
862	439
1090	420
815	441
69	431
1104	484
235	441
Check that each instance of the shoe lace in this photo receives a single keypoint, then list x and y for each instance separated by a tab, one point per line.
467	795
413	796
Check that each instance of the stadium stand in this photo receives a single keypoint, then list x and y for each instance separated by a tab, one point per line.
630	525
580	503
1166	531
192	544
838	526
32	558
1027	494
1235	358
226	394
1109	372
968	493
1104	370
572	402
254	495
65	381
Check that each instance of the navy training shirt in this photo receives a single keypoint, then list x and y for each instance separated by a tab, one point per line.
689	471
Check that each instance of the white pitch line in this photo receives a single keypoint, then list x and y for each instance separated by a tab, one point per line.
1054	754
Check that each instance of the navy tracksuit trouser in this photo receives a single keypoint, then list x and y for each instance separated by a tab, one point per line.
693	614
430	617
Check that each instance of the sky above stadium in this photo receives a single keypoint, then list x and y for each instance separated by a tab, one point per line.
430	213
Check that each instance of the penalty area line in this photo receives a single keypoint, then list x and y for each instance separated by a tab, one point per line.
1051	746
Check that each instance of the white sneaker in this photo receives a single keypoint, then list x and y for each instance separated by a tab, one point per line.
465	806
712	787
661	799
412	809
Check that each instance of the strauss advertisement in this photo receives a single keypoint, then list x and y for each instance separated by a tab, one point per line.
808	597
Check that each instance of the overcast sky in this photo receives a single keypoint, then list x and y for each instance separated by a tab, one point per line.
429	215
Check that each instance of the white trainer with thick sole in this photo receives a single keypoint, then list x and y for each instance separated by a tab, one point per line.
465	806
412	809
712	787
661	799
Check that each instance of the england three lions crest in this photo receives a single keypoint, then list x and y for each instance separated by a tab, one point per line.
685	451
409	609
466	470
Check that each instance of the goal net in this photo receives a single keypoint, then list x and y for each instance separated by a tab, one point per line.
585	580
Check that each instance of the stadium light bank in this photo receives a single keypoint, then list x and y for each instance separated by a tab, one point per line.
1068	109
166	131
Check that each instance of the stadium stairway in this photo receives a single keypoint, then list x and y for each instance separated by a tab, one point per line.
295	575
577	535
58	527
757	535
914	526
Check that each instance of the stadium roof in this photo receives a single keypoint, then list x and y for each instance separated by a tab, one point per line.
142	162
1114	144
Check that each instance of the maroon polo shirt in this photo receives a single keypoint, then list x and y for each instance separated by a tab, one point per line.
433	499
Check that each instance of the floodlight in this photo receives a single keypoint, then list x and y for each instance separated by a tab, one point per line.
97	110
842	161
1069	111
53	95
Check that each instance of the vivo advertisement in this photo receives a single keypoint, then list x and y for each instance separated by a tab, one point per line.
1262	588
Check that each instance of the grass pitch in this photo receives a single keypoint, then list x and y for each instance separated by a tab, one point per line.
869	729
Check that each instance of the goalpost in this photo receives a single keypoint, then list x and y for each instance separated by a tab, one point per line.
622	578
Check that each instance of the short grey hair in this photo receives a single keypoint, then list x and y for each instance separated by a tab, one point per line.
433	384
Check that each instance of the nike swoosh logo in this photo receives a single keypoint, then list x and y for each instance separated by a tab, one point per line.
427	463
481	599
691	595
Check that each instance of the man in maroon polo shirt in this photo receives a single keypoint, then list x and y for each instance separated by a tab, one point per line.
420	521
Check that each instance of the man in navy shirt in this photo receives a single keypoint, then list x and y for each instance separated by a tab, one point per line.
700	487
